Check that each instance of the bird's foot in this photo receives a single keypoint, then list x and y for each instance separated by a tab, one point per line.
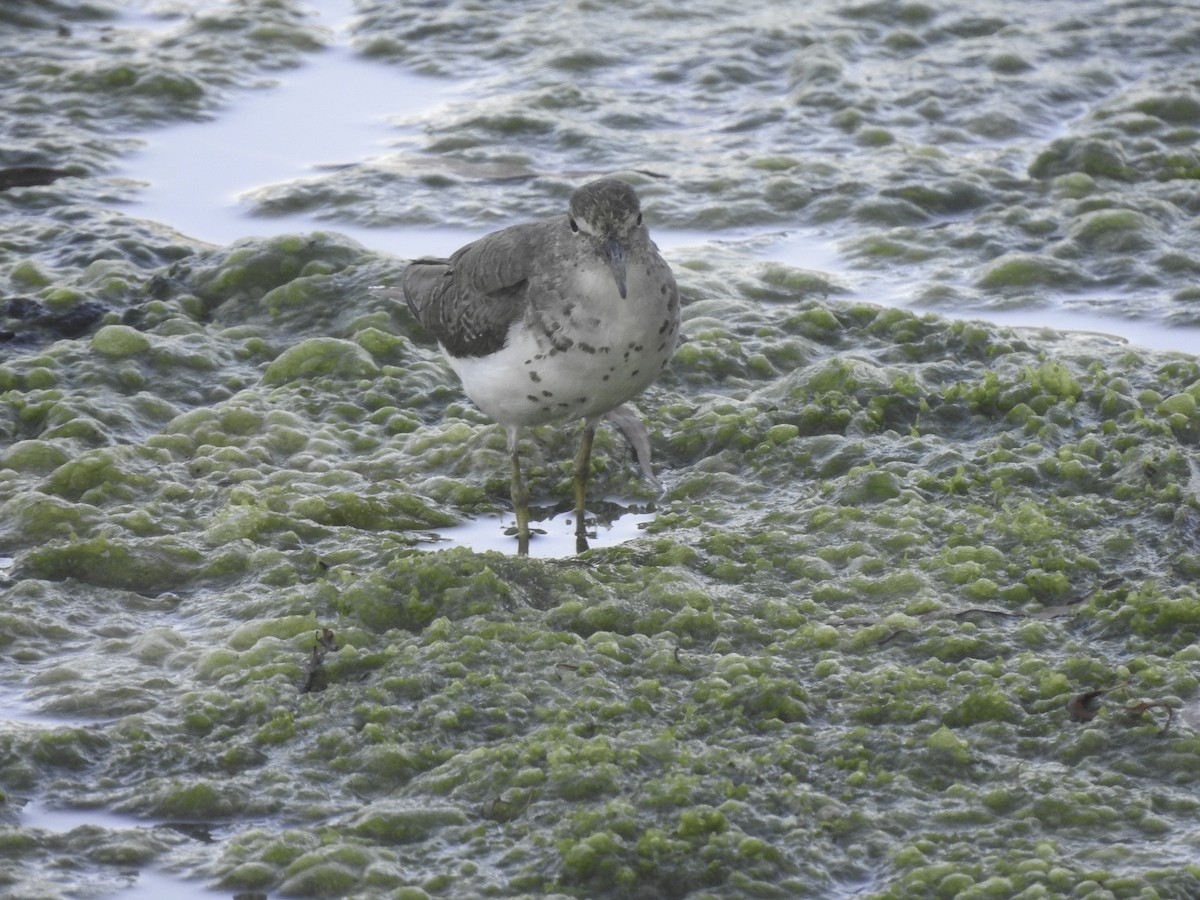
523	537
512	531
582	532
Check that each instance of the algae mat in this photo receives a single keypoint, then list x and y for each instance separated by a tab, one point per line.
892	550
917	615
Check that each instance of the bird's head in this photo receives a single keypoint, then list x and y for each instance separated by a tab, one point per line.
608	213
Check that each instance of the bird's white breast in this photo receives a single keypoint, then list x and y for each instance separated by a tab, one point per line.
600	350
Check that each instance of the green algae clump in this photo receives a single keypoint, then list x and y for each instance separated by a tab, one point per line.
1023	270
398	823
323	356
119	341
147	564
34	456
945	745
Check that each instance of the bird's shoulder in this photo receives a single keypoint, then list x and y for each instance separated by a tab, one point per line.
469	300
507	257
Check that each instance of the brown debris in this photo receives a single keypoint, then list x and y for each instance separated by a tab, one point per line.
29	176
315	676
1086	706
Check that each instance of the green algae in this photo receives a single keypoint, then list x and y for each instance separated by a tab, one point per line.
892	547
319	879
581	677
154	564
320	356
1114	230
33	456
1016	270
250	634
119	341
394	823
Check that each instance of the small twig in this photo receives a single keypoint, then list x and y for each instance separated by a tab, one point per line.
314	676
1137	709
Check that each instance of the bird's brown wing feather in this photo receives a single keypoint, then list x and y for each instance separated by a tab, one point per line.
469	301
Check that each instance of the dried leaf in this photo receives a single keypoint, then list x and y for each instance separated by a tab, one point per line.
1056	611
986	610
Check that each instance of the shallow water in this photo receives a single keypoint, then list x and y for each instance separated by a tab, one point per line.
333	110
837	657
145	884
553	538
341	111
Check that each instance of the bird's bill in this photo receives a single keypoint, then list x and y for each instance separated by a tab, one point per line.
616	262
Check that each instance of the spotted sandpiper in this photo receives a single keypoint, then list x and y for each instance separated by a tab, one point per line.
553	321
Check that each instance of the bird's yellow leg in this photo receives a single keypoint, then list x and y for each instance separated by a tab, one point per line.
583	468
520	499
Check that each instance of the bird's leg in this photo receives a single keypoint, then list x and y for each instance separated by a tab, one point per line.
520	495
583	467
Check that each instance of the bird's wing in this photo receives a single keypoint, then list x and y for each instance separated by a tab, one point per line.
469	301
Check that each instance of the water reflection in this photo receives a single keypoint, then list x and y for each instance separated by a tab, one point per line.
144	884
334	110
554	530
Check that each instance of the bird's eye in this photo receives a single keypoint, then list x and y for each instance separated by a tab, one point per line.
574	226
639	221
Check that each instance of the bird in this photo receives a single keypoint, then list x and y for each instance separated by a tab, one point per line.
553	321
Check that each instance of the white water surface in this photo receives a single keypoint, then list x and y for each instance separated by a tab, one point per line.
333	111
553	538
